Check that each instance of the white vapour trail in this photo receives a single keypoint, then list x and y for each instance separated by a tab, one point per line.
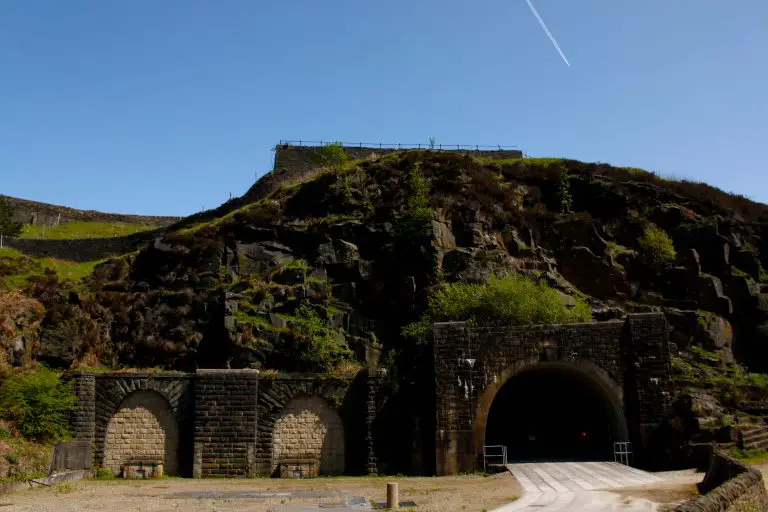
549	34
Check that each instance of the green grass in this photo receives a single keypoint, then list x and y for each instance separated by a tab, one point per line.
27	268
71	230
755	456
531	162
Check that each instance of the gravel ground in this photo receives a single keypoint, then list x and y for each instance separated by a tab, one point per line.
431	494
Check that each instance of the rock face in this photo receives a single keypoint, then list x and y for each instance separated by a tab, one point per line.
350	257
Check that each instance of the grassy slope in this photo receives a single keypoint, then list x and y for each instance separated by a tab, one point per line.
16	269
72	230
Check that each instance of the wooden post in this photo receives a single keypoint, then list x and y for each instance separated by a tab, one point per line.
393	498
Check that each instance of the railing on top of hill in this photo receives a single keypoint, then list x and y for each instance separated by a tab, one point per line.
380	145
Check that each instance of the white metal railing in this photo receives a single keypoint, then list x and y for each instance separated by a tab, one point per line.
494	452
622	451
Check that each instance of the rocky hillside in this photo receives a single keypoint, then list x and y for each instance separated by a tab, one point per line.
323	275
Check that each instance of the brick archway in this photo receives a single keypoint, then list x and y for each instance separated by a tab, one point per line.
143	429
309	428
112	390
276	395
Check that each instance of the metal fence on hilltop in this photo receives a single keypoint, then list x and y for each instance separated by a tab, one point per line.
380	145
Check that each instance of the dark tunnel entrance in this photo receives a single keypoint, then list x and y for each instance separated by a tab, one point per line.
555	412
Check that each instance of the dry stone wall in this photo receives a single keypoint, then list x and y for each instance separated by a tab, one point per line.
83	249
729	486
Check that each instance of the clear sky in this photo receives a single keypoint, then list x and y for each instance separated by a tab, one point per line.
166	106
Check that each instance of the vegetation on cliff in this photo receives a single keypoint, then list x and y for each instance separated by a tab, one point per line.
502	301
320	272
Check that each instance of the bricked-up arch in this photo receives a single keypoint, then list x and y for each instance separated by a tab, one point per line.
143	429
111	390
629	363
276	395
553	410
309	428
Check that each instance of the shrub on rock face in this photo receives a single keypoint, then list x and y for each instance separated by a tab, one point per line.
507	300
657	247
322	348
38	403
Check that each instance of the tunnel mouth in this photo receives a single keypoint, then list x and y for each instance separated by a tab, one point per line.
555	412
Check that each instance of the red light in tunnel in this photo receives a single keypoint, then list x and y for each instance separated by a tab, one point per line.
583	434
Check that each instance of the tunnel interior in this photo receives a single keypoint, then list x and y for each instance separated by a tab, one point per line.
555	413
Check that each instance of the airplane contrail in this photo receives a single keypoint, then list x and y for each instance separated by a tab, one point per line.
549	34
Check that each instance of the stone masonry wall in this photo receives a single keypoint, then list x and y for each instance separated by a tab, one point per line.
143	430
309	428
729	486
225	422
44	214
276	397
471	365
83	249
115	392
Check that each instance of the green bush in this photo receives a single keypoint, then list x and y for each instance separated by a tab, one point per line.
657	247
332	156
508	300
563	193
418	210
38	403
323	348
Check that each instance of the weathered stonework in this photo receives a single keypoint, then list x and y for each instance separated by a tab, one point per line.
294	406
225	422
310	428
102	397
629	362
143	430
729	486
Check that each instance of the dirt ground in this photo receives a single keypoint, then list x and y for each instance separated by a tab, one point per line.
431	494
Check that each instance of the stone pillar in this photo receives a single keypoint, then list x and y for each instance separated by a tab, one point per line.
83	420
225	423
374	385
648	382
454	437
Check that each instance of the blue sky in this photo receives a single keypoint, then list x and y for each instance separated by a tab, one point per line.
167	106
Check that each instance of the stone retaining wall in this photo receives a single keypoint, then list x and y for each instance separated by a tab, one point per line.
44	214
729	486
83	249
228	423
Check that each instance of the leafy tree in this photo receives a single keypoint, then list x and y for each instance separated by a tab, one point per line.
8	227
38	403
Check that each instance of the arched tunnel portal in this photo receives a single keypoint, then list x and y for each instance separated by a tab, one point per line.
556	411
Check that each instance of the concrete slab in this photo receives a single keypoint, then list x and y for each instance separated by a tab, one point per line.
576	486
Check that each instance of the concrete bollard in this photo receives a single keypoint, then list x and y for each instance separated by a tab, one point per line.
393	496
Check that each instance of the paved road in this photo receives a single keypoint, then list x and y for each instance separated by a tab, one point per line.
577	486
